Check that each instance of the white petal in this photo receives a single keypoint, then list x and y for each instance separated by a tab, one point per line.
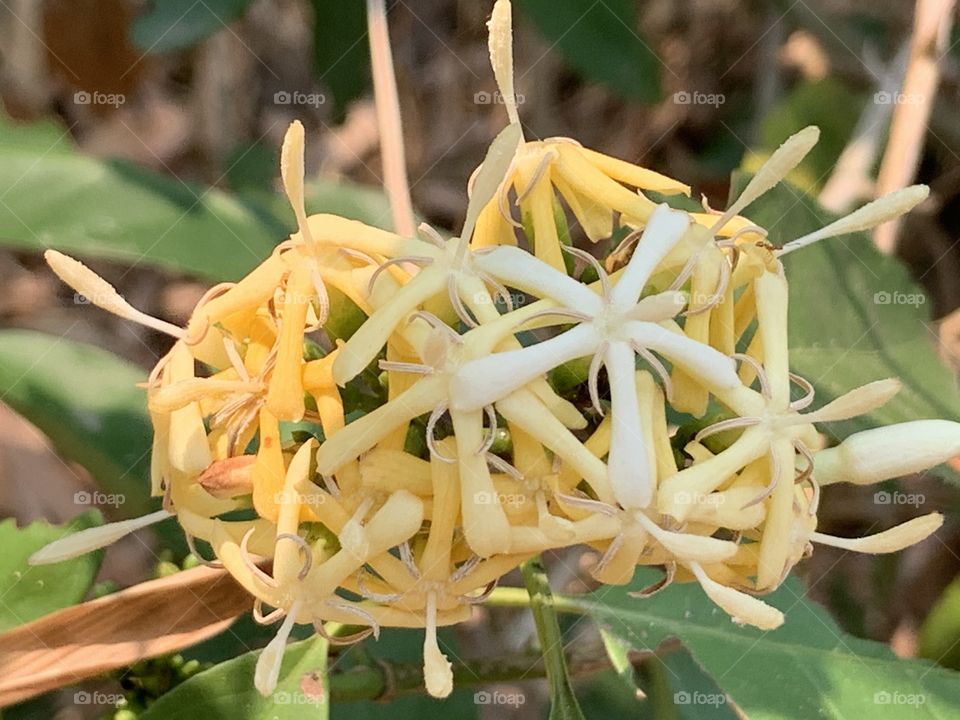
480	382
698	548
662	232
518	268
92	539
712	367
742	608
856	402
629	461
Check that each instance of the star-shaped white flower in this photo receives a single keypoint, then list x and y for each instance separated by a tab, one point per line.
612	327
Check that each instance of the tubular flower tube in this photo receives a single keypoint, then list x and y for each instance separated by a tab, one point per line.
492	405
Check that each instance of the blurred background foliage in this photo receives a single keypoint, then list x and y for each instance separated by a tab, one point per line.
143	137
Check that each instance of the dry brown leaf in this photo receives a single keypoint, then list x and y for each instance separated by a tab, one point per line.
150	619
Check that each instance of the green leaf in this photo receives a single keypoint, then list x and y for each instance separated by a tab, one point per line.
600	40
855	316
56	197
807	668
170	25
563	701
86	401
226	690
341	49
27	593
940	633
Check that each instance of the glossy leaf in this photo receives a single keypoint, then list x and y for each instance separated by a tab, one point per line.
600	40
86	401
807	668
30	592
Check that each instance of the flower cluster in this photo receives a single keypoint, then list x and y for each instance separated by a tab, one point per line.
462	460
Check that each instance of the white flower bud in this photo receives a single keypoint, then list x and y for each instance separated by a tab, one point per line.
888	452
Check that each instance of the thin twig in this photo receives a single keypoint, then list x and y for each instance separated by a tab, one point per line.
933	20
392	154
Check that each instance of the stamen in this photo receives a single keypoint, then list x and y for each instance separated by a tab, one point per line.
657	366
804	402
231	349
468	566
305	551
612	549
436	323
492	430
418	260
358	255
384	598
352	609
775	472
482	597
724	425
192	547
592	262
342	640
497	462
670	570
251	565
428	233
548	157
406	367
585	503
270	618
406	555
331	485
758	369
457	303
593	376
435	416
